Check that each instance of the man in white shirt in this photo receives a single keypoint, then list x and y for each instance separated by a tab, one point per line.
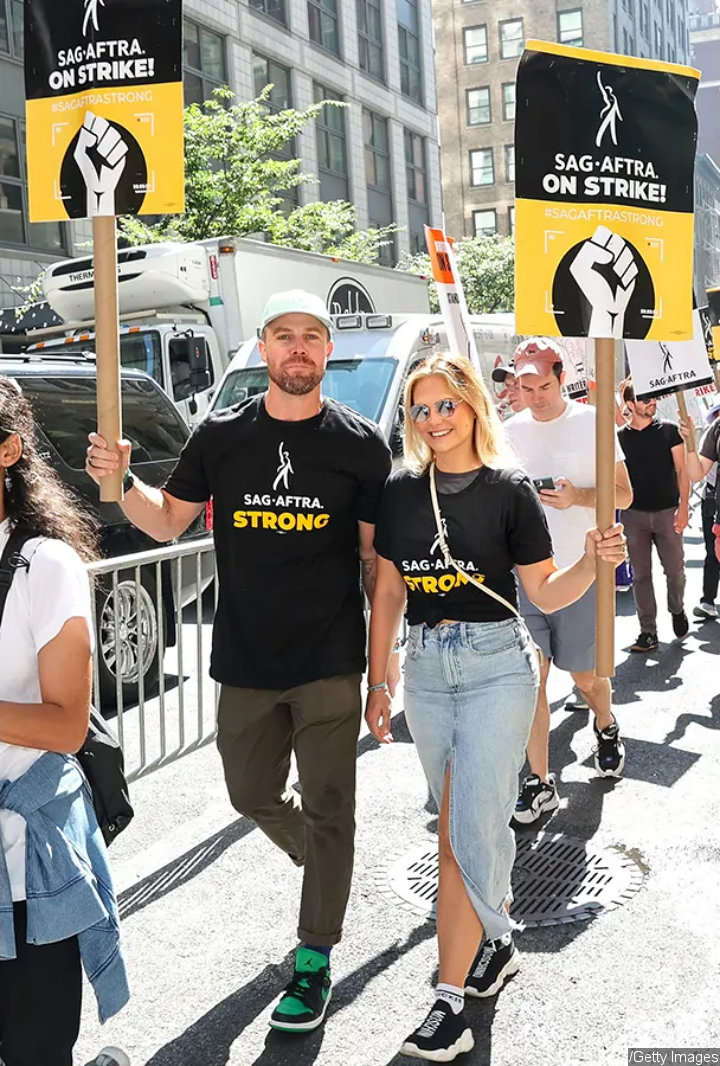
555	441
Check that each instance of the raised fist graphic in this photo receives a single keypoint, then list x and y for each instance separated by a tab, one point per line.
101	155
605	271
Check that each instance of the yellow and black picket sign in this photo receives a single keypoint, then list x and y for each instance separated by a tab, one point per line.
713	298
104	111
604	150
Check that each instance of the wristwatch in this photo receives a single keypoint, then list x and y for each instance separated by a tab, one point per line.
128	481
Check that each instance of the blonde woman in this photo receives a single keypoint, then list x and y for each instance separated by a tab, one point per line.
471	669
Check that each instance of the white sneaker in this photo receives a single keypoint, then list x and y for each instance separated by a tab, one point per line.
536	798
110	1056
705	610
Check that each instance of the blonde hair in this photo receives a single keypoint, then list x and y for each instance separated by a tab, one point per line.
464	381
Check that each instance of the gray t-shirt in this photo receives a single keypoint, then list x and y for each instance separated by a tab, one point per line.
449	484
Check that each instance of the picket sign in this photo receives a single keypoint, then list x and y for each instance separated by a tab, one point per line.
604	160
104	112
453	305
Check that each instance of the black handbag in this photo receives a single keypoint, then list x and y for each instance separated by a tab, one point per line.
100	756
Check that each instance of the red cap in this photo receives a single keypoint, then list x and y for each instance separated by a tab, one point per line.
536	356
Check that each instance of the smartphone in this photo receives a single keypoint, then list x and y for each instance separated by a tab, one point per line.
543	483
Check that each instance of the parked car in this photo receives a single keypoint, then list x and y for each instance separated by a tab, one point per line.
63	395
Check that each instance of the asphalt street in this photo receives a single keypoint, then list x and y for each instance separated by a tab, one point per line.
210	907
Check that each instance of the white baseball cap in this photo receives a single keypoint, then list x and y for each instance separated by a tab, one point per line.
296	302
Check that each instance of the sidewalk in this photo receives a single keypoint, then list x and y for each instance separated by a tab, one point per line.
210	906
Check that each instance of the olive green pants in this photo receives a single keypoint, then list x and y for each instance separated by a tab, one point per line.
258	730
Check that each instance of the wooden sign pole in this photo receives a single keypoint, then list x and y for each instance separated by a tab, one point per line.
605	505
690	443
107	344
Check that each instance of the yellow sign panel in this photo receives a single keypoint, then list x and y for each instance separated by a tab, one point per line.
604	149
104	108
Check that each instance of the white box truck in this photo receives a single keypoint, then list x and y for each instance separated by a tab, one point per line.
179	301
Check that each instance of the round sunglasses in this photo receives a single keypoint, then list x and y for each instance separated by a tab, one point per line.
420	412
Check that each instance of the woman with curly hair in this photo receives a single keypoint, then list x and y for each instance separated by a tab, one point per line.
452	528
57	907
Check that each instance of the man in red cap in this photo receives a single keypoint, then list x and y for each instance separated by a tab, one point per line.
555	441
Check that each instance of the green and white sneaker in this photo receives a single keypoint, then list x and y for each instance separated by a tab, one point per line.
304	1002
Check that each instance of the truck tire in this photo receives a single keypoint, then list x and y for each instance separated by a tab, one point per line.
133	611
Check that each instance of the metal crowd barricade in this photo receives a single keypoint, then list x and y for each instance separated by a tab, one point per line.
153	632
161	699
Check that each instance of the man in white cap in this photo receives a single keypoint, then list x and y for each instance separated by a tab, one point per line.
555	440
295	480
505	376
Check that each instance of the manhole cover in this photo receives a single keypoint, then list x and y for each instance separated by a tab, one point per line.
556	879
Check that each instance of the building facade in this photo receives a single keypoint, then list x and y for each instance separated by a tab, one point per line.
479	44
705	55
380	151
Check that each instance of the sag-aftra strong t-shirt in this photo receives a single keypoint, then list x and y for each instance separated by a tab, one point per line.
493	525
287	498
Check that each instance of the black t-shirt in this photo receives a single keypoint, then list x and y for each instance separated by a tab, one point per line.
287	497
650	465
494	524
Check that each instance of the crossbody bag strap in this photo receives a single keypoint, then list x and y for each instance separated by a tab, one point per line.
449	561
11	561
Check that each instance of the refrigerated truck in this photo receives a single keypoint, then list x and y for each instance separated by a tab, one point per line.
213	291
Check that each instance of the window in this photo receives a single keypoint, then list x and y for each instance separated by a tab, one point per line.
482	167
485	222
475	44
631	45
478	106
377	175
11	28
268	72
511	39
64	407
377	150
658	42
509	162
331	147
626	43
511	221
323	24
415	167
204	64
370	38
570	27
14	225
274	9
409	45
508	99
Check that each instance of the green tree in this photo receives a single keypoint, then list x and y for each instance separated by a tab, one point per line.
237	164
487	270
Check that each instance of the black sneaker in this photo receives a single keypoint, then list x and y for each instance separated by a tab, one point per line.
680	624
536	798
493	964
441	1037
304	1002
609	755
645	642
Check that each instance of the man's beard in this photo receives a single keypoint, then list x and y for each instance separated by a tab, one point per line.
292	383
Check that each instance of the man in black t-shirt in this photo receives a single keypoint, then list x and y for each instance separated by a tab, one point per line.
295	481
658	514
701	465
